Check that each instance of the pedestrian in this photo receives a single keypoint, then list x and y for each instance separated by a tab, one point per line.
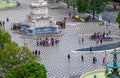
97	41
68	57
109	32
114	7
95	76
0	23
94	60
33	52
109	22
36	52
3	23
82	40
104	60
82	58
39	53
56	41
69	14
7	19
90	49
101	41
37	43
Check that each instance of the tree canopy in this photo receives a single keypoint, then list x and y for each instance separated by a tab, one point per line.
4	38
12	55
88	6
118	19
28	70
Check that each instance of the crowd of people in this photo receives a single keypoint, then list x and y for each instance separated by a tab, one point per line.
36	53
47	41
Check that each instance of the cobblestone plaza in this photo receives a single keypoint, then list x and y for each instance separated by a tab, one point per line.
55	57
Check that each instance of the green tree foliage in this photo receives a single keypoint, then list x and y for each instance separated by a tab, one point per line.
28	70
88	6
4	38
68	3
118	19
82	6
12	55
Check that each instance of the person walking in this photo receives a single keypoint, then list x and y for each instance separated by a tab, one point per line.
90	49
109	22
68	57
82	40
69	14
3	23
104	60
82	58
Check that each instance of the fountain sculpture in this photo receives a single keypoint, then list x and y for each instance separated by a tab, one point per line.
38	21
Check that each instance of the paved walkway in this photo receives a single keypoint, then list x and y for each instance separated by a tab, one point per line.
55	57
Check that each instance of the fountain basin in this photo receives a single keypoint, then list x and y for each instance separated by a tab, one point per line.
98	73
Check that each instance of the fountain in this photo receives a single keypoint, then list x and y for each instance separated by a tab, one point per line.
111	71
38	21
114	66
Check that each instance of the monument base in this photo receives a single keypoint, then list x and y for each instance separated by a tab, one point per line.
40	30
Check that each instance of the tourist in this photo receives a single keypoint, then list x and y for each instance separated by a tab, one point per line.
56	41
35	52
52	41
68	57
46	40
49	41
40	41
43	42
82	58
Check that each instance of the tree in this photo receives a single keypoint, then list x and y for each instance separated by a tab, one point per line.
4	38
91	6
28	70
12	55
118	19
68	3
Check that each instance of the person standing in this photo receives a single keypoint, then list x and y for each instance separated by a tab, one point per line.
7	19
35	52
68	57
